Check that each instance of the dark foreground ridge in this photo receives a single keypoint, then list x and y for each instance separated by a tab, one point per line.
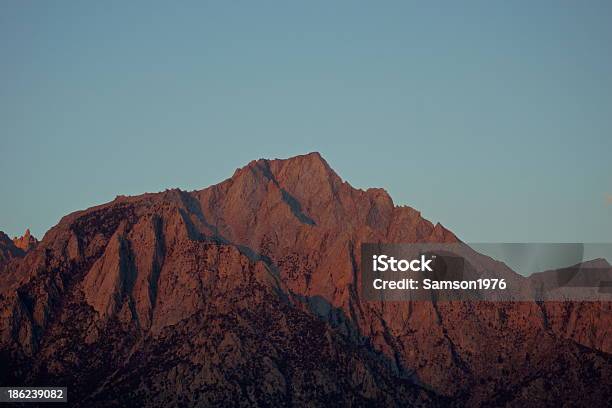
246	294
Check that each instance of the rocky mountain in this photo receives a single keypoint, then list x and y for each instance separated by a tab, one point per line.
246	293
8	250
26	242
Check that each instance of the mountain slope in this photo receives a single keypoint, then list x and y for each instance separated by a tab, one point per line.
8	249
247	292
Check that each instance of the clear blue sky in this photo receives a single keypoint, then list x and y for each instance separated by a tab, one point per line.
494	119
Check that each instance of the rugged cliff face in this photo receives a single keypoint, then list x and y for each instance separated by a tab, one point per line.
246	293
8	250
16	247
25	242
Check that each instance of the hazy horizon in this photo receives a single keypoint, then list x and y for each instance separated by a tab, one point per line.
498	128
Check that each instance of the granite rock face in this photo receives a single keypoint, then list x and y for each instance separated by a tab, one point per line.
8	249
246	293
25	242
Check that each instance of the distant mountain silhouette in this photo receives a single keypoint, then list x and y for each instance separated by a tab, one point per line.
246	293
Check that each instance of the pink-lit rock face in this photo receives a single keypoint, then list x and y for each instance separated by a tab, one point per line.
248	292
26	242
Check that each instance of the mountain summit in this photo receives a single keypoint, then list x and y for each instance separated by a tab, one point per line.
26	242
246	293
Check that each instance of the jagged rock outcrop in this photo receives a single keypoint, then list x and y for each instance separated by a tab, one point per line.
26	242
8	250
247	293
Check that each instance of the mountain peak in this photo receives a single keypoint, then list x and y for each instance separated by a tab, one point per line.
307	179
8	249
306	167
26	242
